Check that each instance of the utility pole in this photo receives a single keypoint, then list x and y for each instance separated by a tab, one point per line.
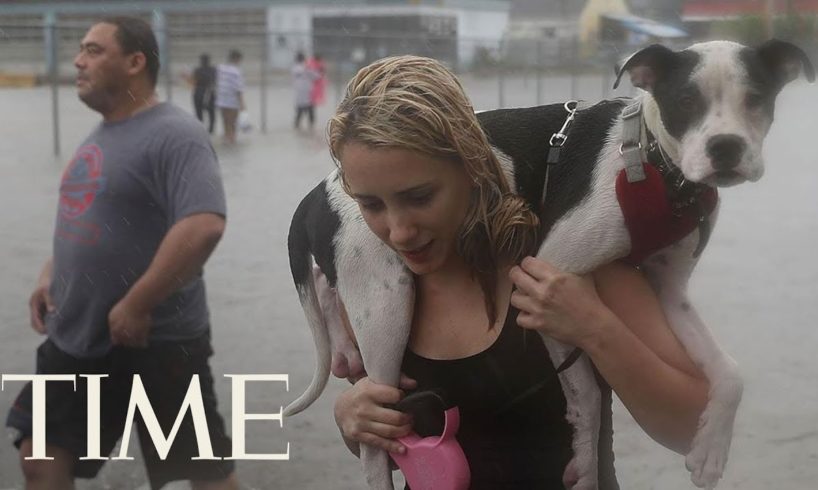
769	15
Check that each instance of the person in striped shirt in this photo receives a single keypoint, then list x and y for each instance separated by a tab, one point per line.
229	94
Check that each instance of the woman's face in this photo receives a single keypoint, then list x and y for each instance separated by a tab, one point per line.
413	202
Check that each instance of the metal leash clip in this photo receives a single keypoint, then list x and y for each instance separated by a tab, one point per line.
558	139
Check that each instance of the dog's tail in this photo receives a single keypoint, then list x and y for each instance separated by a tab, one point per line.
298	244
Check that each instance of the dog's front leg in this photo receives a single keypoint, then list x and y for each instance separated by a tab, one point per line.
668	271
378	294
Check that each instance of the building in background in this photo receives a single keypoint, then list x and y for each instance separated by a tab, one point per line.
578	32
541	32
664	11
545	19
614	27
591	19
358	32
344	31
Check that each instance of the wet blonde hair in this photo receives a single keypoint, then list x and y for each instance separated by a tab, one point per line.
416	104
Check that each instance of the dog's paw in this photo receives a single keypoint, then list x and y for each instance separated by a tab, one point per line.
711	445
707	458
706	467
572	478
585	483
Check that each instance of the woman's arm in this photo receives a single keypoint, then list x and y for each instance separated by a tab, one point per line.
621	326
644	362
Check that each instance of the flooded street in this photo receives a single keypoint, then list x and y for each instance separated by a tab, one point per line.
756	286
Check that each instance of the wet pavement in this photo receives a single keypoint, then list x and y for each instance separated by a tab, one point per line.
755	286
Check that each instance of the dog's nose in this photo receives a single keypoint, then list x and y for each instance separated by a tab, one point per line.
725	150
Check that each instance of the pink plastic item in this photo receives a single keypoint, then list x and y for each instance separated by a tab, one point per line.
436	462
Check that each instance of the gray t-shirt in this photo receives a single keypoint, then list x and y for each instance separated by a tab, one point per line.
127	184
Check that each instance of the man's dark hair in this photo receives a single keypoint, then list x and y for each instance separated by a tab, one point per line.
136	36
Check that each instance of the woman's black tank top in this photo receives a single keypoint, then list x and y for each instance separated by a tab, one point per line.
512	412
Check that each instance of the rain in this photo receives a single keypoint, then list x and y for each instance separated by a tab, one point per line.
755	286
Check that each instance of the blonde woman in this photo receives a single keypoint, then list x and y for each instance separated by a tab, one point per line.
412	154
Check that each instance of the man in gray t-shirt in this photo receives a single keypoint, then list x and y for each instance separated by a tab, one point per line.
141	208
128	184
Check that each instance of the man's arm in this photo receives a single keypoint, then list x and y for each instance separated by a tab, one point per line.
181	255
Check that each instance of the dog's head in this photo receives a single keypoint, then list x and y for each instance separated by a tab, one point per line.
716	102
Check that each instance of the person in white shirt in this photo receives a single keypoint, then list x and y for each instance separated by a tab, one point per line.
229	93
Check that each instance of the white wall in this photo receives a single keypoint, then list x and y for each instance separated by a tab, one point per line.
291	28
474	28
479	29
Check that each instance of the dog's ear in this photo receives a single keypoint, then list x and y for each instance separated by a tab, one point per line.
646	66
785	61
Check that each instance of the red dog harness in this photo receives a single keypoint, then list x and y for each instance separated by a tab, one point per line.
659	204
653	220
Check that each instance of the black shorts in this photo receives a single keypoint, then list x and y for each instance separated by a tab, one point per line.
165	369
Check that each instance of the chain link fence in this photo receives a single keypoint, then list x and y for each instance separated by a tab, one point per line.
521	71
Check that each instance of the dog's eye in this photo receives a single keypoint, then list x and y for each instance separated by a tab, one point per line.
688	102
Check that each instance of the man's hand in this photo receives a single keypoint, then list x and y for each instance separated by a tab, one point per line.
128	325
39	304
40	301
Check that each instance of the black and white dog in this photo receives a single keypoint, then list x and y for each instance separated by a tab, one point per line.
704	115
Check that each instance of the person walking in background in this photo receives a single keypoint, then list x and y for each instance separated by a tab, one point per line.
230	94
141	208
303	80
317	65
204	91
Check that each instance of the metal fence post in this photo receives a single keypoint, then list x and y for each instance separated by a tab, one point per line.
265	66
539	69
52	65
575	69
160	27
501	89
606	82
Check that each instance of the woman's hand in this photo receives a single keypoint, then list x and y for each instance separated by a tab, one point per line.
562	305
362	417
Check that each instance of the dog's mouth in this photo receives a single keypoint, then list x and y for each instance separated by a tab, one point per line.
724	178
727	175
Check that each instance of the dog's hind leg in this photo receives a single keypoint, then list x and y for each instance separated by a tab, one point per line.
583	401
668	272
346	359
591	235
378	294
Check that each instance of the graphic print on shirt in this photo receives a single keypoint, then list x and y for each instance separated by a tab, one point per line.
81	183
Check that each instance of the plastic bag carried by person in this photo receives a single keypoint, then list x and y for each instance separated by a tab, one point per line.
244	124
